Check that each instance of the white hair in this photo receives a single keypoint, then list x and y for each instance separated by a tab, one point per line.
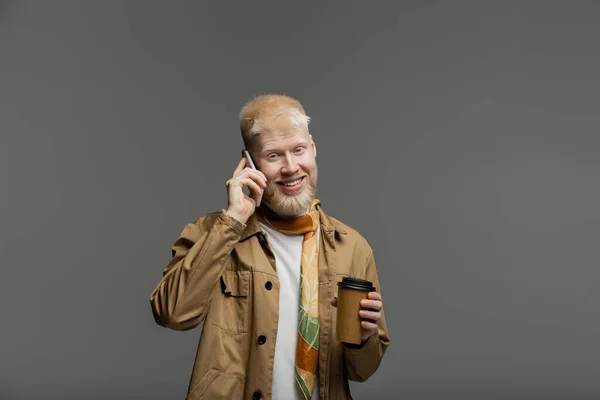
293	116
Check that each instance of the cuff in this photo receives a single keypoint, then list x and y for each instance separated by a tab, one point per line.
233	223
357	346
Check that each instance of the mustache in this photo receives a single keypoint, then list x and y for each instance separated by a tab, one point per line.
288	178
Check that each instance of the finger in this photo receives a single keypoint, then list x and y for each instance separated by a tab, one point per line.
371	315
375	305
260	177
258	191
241	182
241	165
370	326
374	296
259	173
255	175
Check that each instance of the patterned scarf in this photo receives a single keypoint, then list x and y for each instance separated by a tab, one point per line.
307	350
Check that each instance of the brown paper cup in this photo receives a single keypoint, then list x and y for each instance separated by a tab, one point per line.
350	292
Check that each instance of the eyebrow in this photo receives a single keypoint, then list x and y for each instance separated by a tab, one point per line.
268	149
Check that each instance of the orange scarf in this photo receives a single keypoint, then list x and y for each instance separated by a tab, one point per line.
307	349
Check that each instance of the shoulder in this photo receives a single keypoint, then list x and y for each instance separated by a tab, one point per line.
350	236
207	220
195	229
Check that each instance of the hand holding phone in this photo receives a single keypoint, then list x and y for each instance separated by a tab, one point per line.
257	196
241	205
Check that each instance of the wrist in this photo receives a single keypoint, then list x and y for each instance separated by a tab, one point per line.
237	216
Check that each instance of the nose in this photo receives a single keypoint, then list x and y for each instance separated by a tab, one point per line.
290	165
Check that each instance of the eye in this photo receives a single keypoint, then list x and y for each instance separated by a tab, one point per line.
272	156
299	150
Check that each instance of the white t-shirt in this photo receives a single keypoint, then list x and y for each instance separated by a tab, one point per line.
288	253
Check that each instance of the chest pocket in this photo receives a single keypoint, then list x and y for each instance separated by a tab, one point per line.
229	308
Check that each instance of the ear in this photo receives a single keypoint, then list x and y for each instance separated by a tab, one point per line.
312	143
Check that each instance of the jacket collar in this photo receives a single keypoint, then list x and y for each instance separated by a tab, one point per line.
328	224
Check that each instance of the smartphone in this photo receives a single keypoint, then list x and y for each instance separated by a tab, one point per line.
246	154
249	159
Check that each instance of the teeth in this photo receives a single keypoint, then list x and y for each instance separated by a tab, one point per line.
297	181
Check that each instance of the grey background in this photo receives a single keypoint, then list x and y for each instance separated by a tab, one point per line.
461	138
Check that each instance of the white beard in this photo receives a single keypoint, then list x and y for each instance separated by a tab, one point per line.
290	206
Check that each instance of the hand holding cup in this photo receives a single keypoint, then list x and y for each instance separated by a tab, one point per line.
359	310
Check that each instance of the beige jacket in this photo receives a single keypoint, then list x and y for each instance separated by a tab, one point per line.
223	274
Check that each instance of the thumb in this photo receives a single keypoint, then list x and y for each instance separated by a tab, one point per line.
334	302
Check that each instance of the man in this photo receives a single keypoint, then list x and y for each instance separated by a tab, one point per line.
263	279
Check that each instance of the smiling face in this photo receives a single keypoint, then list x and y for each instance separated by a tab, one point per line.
288	160
275	132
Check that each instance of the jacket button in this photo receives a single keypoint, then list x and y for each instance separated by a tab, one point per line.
262	339
256	395
269	285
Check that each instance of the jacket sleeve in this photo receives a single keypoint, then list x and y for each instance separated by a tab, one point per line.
181	299
362	361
